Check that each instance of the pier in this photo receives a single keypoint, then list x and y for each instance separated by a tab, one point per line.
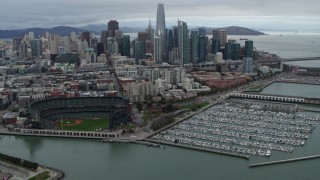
269	97
283	161
199	148
146	143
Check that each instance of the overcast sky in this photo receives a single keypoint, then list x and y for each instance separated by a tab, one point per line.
258	14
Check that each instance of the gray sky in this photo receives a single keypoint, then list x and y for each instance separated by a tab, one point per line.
259	14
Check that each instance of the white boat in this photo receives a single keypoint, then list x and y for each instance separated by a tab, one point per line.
268	153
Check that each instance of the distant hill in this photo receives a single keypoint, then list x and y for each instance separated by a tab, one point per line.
236	30
66	30
132	29
61	30
102	27
95	27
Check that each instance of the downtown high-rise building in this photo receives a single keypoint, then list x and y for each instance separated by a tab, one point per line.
183	38
215	45
16	42
170	40
23	50
100	48
221	35
202	31
202	49
228	50
139	51
126	45
236	51
113	25
85	36
36	48
161	26
249	48
150	31
194	47
157	49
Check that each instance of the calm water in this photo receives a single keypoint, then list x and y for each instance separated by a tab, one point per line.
84	159
293	89
312	64
287	46
87	159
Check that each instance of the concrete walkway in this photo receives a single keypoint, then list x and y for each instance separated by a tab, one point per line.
19	173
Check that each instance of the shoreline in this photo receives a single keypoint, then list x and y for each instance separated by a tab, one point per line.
9	170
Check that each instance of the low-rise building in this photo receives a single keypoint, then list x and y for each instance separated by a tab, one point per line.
126	70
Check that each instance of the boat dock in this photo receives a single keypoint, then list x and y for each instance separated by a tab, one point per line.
283	161
146	143
199	148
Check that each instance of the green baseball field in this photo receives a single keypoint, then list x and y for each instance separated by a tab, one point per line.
92	124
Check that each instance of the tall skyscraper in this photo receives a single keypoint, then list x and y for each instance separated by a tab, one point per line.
139	51
103	38
113	25
215	46
118	34
36	48
247	65
100	48
150	31
183	36
110	45
194	47
85	36
16	42
24	50
221	35
170	40
228	51
143	36
236	51
175	37
73	37
157	49
161	26
126	45
202	31
202	49
249	49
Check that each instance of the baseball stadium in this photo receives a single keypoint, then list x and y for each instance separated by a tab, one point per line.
81	113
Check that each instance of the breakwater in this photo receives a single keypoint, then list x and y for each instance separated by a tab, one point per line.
283	161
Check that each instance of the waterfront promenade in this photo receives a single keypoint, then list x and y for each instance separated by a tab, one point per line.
59	133
20	173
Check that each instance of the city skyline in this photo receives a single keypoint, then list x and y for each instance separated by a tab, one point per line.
270	14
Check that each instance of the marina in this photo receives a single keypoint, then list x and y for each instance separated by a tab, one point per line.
236	129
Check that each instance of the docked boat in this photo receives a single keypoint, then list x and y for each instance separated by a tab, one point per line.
268	153
243	38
